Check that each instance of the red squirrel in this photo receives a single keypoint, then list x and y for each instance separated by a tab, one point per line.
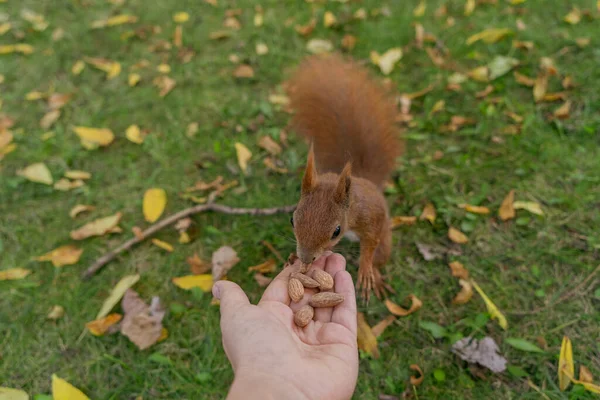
350	121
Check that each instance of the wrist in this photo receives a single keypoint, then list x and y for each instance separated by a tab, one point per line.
251	385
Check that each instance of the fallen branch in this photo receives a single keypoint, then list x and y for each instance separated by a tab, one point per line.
108	257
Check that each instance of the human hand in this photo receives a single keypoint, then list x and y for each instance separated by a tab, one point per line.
274	358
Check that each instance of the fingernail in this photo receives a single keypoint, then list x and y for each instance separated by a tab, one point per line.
216	290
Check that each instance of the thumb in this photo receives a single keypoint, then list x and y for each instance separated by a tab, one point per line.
231	295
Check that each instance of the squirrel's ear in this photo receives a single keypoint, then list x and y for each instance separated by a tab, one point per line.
342	191
309	180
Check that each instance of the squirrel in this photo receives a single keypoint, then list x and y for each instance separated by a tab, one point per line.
350	121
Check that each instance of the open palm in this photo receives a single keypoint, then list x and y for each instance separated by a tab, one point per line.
319	361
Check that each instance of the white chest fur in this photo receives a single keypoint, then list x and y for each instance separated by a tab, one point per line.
351	236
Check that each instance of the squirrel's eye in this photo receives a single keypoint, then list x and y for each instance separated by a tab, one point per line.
292	221
336	233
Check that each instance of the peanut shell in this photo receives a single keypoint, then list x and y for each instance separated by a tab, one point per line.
306	281
325	280
295	290
326	299
304	315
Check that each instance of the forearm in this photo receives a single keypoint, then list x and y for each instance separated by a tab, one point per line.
263	387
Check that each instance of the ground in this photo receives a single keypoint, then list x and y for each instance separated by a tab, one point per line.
528	263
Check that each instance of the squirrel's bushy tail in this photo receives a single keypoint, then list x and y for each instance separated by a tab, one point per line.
347	116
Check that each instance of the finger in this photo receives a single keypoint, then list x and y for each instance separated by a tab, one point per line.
334	264
278	289
345	313
231	297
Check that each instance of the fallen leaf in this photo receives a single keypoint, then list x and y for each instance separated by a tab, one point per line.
115	295
58	100
99	326
57	312
387	60
78	67
64	255
319	46
349	42
307	29
590	387
329	19
469	7
573	17
465	294
483	352
525	45
419	10
401	220
204	282
531	206
367	341
218	35
65	184
382	325
181	17
395	309
192	129
459	270
429	252
491	35
501	65
38	173
279	99
142	324
414	380
16	48
564	111
271	164
49	119
100	137
269	145
457	236
262	280
164	335
133	79
223	259
154	203
77	174
111	68
540	87
479	74
12	394
523	79
79	208
428	213
439	105
583	42
232	23
585	375
522	344
566	368
164	68
491	307
268	266
134	134
63	390
163	245
244	71
120	19
13	274
507	209
243	156
488	89
165	84
258	19
97	227
474	209
261	49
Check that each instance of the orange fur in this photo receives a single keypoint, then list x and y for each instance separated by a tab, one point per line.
350	121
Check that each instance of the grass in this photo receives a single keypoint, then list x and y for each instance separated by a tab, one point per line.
522	264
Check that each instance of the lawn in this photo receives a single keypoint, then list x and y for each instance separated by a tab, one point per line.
534	268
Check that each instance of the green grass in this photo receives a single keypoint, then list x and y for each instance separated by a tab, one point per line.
523	264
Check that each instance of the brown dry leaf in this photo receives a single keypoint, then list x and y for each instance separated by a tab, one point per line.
12	274
489	89
507	210
100	326
540	87
395	309
49	119
367	341
457	122
243	156
268	266
164	84
163	245
583	42
474	209
97	227
64	255
515	117
457	236
38	173
329	19
549	97
201	185
262	280
307	29
483	352
271	164
57	312
218	35
524	79
93	136
573	17
319	46
267	143
382	325
465	294
223	259
567	82
564	111
435	56
244	71
232	23
58	100
585	375
111	68
458	270
416	381
517	44
349	42
491	35
401	220
79	208
142	324
279	99
428	213
65	184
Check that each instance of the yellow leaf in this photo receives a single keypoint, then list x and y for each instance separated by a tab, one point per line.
474	209
76	174
181	17
329	19
204	282
57	312
65	184
243	156
35	95
5	27
112	68
573	17
479	74
564	111
154	204
367	341
12	394
530	206
469	7
566	368
116	20
540	86
134	134
428	213
163	68
261	49
457	236
459	270
439	105
403	220
268	266
133	79
319	46
13	274
101	137
63	390
16	48
419	10
507	209
258	19
491	307
491	35
64	255
465	294
79	208
38	173
163	245
97	227
115	295
99	326
77	67
387	60
395	309
164	334
590	387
